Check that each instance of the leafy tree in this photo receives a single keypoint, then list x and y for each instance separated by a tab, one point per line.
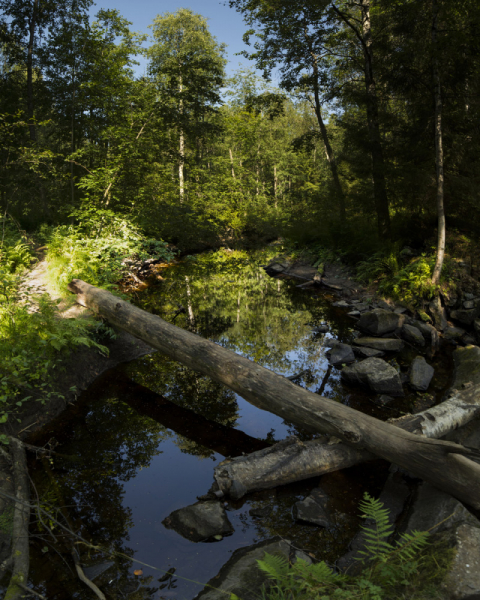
187	65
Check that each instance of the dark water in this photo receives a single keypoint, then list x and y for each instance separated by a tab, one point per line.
143	441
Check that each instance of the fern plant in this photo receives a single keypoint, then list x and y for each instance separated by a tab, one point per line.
387	568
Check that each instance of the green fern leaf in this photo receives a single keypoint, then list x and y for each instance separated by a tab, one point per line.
275	566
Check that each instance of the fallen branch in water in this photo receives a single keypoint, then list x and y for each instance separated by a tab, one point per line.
292	460
446	465
21	516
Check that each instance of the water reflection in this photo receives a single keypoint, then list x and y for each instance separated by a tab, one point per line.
140	455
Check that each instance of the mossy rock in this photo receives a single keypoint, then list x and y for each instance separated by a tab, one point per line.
467	366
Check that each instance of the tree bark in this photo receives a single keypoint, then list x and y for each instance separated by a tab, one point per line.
438	150
21	517
31	42
378	164
292	460
444	464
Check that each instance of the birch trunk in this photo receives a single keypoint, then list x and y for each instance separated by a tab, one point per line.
292	460
438	150
444	464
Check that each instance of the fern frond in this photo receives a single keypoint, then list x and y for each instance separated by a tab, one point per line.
410	543
376	545
275	566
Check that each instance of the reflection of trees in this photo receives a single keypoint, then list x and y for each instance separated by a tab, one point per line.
236	304
111	443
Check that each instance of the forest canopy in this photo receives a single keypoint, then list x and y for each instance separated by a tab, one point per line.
369	136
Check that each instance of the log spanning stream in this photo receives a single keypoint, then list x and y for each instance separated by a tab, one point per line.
144	439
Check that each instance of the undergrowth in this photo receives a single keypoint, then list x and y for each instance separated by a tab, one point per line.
95	250
406	570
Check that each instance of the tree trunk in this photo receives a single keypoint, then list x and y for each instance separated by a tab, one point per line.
21	517
378	165
292	460
181	150
443	464
231	161
31	42
438	151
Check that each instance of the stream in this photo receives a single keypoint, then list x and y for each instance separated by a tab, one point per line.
129	458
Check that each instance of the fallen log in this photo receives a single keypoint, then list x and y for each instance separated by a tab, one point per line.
444	464
293	460
21	518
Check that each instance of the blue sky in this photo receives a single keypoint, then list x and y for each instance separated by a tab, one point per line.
225	23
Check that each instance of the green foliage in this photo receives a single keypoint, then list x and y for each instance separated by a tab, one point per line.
400	277
96	249
389	570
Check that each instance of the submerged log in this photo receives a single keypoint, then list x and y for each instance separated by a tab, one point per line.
293	460
444	464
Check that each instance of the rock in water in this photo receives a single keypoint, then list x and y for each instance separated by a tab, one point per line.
376	374
241	575
379	321
313	509
383	344
413	335
200	521
420	374
340	354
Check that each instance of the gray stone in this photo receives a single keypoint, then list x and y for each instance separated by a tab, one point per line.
313	509
383	344
362	307
241	575
354	313
462	582
469	304
468	340
476	329
465	316
321	329
340	354
468	296
413	335
341	304
399	310
384	305
453	333
376	374
367	352
420	374
200	521
467	365
379	321
431	511
429	333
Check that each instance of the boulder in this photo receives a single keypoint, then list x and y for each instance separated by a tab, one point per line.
429	333
383	344
340	354
476	329
313	509
376	374
241	575
420	374
467	366
453	334
367	352
413	335
465	316
379	321
462	581
200	521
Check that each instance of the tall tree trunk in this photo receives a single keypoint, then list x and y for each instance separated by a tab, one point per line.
378	164
31	42
181	150
438	149
330	154
231	161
